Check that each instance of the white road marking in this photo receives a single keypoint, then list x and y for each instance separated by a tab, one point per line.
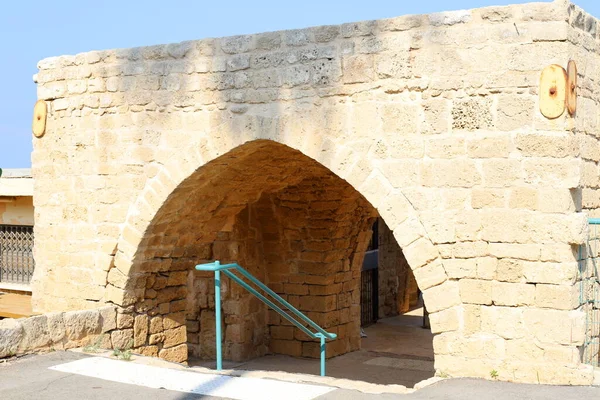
238	388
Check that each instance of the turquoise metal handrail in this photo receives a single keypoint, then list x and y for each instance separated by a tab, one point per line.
228	270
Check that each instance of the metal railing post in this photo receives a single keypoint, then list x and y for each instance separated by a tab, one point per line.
322	355
218	317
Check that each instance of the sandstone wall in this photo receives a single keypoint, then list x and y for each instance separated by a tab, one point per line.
585	49
433	119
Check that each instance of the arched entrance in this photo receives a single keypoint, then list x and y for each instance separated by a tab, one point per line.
287	219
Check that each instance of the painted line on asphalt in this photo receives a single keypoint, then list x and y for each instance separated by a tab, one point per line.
238	388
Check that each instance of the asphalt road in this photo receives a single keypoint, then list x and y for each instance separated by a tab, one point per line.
30	378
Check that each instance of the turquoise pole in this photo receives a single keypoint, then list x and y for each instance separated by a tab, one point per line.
218	317
322	355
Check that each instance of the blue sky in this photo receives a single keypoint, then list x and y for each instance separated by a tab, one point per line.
31	31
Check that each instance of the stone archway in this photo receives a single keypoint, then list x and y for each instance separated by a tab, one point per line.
486	197
282	215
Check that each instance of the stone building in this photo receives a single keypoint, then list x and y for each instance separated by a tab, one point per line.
279	150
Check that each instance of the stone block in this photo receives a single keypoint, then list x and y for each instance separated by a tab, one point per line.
318	303
177	278
561	173
11	334
471	318
559	297
470	249
140	330
446	147
555	326
191	326
148	351
177	305
515	112
122	339
441	297
507	322
35	333
523	197
544	144
235	333
156	324
56	326
156	338
461	267
436	116
549	272
79	324
472	114
509	270
399	118
446	320
430	275
523	349
420	253
561	354
124	321
489	147
358	69
108	318
519	251
486	268
393	64
287	347
488	198
174	337
512	294
474	291
500	173
176	354
450	173
552	200
173	320
282	332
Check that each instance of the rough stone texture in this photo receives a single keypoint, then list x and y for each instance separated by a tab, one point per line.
158	158
11	334
58	330
317	273
398	290
79	324
108	319
35	333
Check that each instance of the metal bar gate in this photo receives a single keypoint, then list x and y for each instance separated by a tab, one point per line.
16	254
589	294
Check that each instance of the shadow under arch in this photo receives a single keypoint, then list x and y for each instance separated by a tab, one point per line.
193	212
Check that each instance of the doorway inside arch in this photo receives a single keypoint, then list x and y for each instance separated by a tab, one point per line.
395	327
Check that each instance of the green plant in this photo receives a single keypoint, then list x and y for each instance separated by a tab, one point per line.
443	374
494	374
125	353
93	347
